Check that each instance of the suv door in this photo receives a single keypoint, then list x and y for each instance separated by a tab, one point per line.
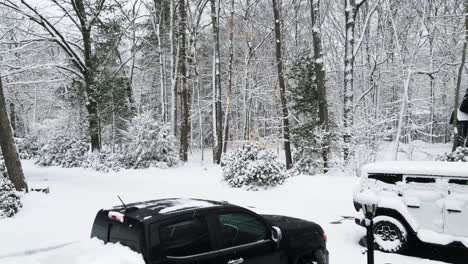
424	198
456	206
248	239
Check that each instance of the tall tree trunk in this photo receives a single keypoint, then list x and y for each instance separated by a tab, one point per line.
13	118
351	9
320	78
7	144
91	104
200	117
227	114
162	65
281	83
184	93
456	140
403	110
217	107
174	69
129	90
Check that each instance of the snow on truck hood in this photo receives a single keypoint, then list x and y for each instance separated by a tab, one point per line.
429	168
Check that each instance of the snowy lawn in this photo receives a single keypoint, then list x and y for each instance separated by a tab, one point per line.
54	228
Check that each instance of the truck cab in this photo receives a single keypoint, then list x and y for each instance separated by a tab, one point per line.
201	231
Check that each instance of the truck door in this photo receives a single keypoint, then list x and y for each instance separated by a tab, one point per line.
424	196
249	238
225	238
456	208
185	239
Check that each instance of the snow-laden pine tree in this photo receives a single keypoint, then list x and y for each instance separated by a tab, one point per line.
309	137
254	167
149	143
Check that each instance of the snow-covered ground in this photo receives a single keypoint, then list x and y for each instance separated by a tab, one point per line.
54	228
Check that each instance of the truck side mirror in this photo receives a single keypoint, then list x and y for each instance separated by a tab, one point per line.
276	234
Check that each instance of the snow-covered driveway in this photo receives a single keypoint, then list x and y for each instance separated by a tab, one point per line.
55	228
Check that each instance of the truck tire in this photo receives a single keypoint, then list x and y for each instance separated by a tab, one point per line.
390	234
320	256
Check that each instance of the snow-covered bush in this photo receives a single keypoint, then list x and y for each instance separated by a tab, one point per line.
104	161
307	161
63	150
252	166
10	201
459	155
27	147
149	144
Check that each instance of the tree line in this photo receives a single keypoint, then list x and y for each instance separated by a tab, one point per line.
322	79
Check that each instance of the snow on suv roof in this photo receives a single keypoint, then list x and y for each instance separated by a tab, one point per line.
430	168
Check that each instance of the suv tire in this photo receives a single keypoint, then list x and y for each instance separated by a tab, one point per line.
390	234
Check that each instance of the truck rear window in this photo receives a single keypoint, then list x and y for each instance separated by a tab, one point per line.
126	235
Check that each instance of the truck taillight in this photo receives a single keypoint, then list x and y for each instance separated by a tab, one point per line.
116	216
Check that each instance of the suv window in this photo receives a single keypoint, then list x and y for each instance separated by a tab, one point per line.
185	238
420	180
240	229
387	178
459	181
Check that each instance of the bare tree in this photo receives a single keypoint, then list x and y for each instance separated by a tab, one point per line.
174	69
320	75
351	9
227	114
84	63
7	144
184	93
157	23
217	108
456	140
281	82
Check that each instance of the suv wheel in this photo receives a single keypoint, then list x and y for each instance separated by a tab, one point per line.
390	234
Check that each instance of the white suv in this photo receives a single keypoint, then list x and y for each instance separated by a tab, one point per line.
424	200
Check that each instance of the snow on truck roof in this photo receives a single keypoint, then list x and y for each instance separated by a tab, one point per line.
430	168
147	209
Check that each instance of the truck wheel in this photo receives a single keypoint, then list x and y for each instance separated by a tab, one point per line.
390	234
321	256
318	257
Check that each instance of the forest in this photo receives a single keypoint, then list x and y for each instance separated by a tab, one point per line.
323	83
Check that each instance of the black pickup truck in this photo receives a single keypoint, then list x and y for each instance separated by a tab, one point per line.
197	231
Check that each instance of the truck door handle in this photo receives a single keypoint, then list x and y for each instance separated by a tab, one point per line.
454	211
236	261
